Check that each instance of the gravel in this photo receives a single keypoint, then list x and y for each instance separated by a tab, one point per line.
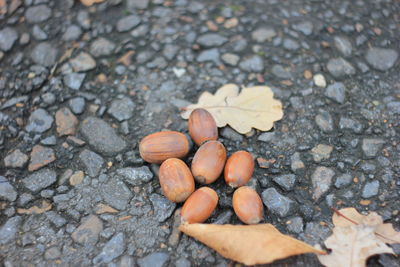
74	80
211	40
344	45
339	68
336	92
16	159
163	208
111	250
155	259
92	162
370	189
135	176
9	230
252	64
128	23
381	59
122	109
277	203
321	180
44	54
263	34
371	146
116	194
286	181
8	36
7	191
36	14
40	180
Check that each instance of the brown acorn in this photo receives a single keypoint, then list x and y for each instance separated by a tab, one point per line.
200	205
202	126
247	205
208	162
239	168
157	147
176	180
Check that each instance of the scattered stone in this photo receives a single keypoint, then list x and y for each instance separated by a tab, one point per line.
56	219
230	59
266	137
211	40
36	14
263	34
296	225
40	157
339	68
290	44
170	51
163	208
135	176
9	230
296	164
394	107
277	203
122	109
7	191
83	62
77	105
16	159
252	64
321	180
315	233
209	55
128	23
305	27
44	54
76	178
39	34
286	181
324	121
8	36
101	47
89	230
139	4
321	152
381	58
319	80
155	259
40	180
75	141
371	146
111	250
336	92
370	189
101	136
49	141
347	123
343	180
116	194
72	33
74	80
66	122
173	239
92	161
52	253
228	133
183	262
343	44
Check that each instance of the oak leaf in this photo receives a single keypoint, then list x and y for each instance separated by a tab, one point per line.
36	210
248	244
255	107
91	2
357	237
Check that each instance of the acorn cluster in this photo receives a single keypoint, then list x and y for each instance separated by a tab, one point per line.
210	160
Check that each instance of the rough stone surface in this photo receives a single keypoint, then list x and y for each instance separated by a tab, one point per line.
381	59
343	180
263	34
121	109
66	122
344	45
44	54
339	68
116	194
88	231
8	36
336	92
370	189
371	146
40	157
139	4
163	208
39	121
321	152
9	230
102	47
111	250
127	23
324	121
277	203
74	80
16	159
40	180
211	39
7	191
92	162
321	180
135	176
36	14
252	64
286	181
155	259
101	136
83	62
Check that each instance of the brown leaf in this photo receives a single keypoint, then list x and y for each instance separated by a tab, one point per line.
103	208
126	58
45	207
248	244
91	2
383	231
254	107
352	246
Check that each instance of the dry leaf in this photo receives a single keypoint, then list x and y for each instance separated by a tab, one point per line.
383	231
45	207
248	244
352	246
91	2
254	107
357	237
103	208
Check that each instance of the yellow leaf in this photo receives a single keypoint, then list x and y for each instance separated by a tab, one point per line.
45	207
254	107
248	244
91	2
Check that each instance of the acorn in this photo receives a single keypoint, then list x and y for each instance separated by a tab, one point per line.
200	205
247	205
202	126
157	147
208	162
239	168
176	180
